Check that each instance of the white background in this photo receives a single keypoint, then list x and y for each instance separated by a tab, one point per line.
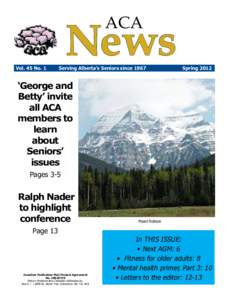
200	28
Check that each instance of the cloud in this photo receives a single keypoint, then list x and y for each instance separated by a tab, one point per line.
160	97
198	109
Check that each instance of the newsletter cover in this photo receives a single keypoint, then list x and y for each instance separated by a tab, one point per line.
114	150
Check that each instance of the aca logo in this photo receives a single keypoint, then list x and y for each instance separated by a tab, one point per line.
36	40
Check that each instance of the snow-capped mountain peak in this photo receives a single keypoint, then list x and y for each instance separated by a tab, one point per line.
110	119
130	138
183	121
125	115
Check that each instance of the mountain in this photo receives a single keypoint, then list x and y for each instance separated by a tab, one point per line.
209	160
131	138
89	161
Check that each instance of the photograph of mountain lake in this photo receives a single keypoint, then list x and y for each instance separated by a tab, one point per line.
146	148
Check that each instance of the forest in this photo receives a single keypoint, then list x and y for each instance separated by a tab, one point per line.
192	185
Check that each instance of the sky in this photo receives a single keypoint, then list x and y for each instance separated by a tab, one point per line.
159	97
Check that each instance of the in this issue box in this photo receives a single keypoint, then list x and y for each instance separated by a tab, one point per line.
158	257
